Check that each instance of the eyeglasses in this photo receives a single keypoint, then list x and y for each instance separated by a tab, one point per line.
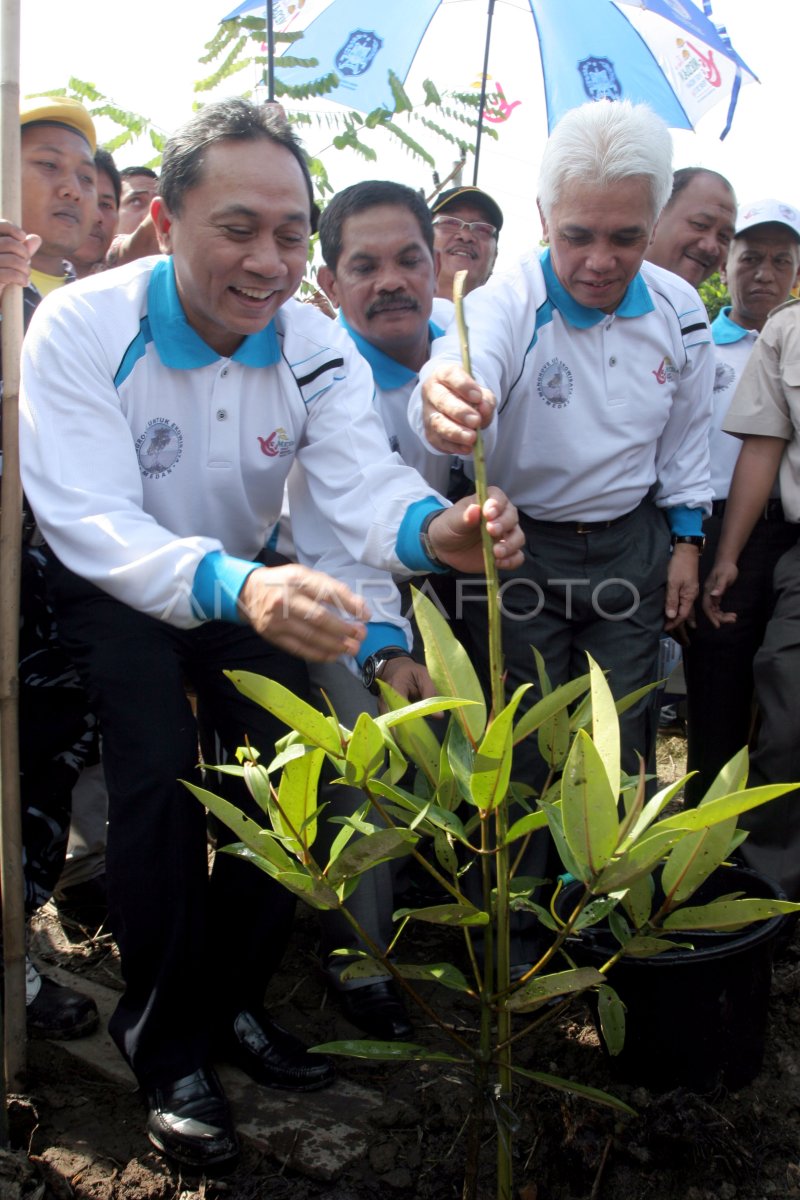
481	229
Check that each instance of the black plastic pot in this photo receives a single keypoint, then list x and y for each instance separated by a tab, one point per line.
695	1018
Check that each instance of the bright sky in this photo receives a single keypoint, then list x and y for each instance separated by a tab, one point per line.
146	57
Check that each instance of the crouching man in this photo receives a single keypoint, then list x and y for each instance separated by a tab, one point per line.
162	406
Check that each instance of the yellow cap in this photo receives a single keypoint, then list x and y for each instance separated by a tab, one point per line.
59	110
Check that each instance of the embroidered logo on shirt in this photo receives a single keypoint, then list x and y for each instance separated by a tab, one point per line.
667	371
277	444
555	383
159	448
723	377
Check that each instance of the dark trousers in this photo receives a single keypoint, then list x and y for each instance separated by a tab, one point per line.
773	846
719	662
193	950
600	592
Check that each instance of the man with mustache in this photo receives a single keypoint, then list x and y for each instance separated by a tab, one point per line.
466	226
695	229
760	271
379	271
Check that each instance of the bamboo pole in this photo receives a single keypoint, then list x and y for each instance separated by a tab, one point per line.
14	1033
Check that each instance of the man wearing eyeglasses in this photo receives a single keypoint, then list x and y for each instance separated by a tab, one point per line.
466	223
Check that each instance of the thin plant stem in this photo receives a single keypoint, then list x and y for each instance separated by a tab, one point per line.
502	918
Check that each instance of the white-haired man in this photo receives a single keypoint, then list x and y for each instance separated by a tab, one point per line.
593	373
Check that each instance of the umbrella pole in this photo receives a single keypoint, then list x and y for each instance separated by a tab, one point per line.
270	54
11	879
489	19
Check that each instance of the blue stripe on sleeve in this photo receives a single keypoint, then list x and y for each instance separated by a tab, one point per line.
685	521
218	580
408	546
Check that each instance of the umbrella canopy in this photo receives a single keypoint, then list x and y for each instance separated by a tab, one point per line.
666	53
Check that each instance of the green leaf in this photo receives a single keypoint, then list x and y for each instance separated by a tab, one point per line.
491	769
365	967
525	825
290	709
445	914
460	756
444	973
575	1089
450	669
553	739
611	1012
261	841
571	864
438	818
297	798
728	914
638	900
640	820
713	811
637	861
732	777
691	860
445	853
367	852
542	988
551	704
605	726
314	891
384	1051
414	737
649	947
595	911
365	751
588	805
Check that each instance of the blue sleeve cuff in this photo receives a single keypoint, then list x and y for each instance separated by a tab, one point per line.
217	582
379	635
408	545
685	521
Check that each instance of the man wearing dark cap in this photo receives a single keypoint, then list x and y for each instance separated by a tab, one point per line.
59	202
466	222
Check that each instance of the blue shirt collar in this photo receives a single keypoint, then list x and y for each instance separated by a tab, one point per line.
181	347
725	331
387	372
635	303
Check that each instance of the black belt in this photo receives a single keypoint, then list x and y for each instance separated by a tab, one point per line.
574	526
773	510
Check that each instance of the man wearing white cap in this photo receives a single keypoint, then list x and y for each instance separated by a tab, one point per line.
760	271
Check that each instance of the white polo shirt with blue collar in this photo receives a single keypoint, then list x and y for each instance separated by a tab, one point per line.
595	410
734	345
156	468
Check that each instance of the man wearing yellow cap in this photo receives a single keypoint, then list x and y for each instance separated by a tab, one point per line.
59	201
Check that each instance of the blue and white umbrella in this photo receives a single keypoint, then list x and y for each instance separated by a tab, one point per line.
667	53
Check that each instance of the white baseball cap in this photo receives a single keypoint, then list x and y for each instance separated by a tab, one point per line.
763	212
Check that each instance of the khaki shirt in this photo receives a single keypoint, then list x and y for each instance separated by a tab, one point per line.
767	400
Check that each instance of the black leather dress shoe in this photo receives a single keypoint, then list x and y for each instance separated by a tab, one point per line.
377	1008
190	1122
272	1056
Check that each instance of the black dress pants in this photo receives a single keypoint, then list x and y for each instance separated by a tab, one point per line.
194	950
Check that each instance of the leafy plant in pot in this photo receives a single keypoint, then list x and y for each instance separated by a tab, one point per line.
462	804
